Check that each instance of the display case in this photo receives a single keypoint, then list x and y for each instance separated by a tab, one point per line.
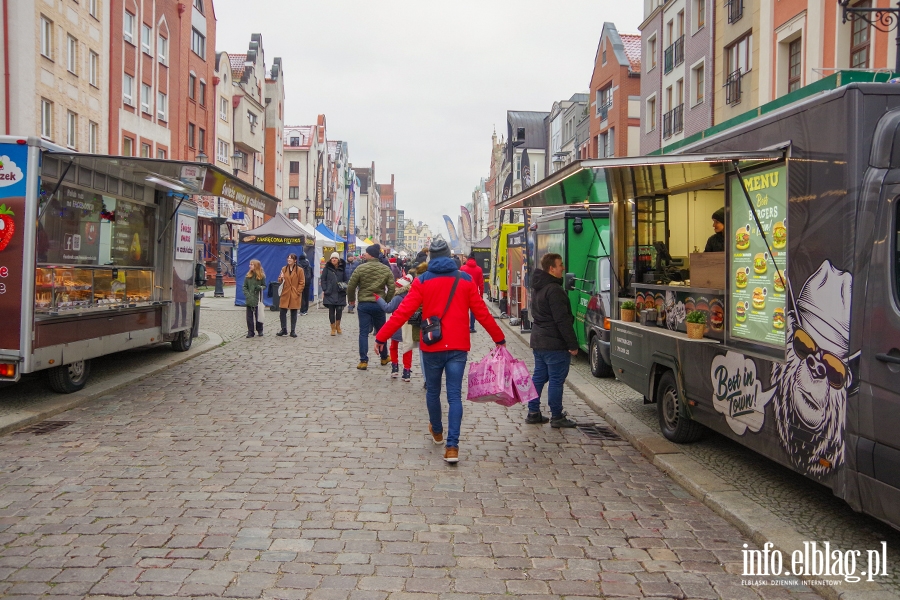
70	289
109	288
138	286
65	289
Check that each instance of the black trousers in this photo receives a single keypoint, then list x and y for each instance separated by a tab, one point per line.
283	315
253	322
334	313
304	301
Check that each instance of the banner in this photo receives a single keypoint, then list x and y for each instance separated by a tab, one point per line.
466	227
507	187
451	229
320	188
351	216
526	170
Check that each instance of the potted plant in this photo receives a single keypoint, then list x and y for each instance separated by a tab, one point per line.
627	311
696	324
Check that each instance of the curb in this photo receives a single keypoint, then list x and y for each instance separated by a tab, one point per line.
48	408
756	522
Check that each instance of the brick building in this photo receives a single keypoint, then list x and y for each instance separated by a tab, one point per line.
388	195
614	111
273	98
301	150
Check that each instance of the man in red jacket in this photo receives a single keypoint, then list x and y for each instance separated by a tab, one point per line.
432	291
471	267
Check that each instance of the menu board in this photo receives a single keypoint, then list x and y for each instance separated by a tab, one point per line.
757	278
69	232
132	243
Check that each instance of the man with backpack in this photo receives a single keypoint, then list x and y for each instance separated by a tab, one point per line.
303	263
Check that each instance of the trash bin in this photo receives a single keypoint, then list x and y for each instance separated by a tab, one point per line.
195	329
273	294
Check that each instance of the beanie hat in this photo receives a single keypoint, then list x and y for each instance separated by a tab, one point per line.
438	249
374	250
719	215
334	255
404	281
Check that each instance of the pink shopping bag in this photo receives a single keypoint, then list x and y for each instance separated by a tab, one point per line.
490	379
522	382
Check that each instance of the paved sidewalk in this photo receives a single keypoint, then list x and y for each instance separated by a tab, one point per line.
273	468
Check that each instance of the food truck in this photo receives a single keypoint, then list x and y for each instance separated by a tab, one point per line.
97	254
581	237
499	282
811	268
516	275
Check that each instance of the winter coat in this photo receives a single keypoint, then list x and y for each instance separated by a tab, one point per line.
552	322
331	276
294	284
471	267
253	287
391	306
430	291
395	270
304	264
370	278
420	258
350	267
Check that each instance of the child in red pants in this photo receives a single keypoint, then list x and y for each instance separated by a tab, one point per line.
402	286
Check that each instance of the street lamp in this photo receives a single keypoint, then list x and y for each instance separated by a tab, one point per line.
327	209
307	202
201	156
362	220
237	160
884	20
220	220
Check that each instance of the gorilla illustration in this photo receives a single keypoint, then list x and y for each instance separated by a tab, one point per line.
812	385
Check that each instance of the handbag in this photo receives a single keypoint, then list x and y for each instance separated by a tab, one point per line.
281	285
431	327
342	286
416	318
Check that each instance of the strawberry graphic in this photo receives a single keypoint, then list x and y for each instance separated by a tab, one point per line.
7	226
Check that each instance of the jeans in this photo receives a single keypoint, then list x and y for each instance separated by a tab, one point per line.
283	316
334	313
471	321
253	320
370	315
453	362
304	301
552	366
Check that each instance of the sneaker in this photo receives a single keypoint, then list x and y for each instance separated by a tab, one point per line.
293	334
362	366
407	375
385	361
250	335
536	418
451	455
395	371
471	331
281	333
562	421
437	438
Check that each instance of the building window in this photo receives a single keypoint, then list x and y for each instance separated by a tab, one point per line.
735	10
46	119
295	141
94	69
295	166
128	89
128	28
603	55
127	147
71	129
191	132
859	42
94	8
72	54
162	49
738	55
145	150
699	79
222	151
651	113
202	93
160	153
794	64
223	109
201	140
46	37
198	43
161	106
192	86
651	52
146	36
293	193
93	136
146	92
198	4
604	102
700	12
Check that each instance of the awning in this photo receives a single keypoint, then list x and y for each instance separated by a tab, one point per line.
191	178
328	233
311	232
605	180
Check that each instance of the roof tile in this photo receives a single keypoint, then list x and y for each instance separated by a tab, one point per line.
237	65
632	43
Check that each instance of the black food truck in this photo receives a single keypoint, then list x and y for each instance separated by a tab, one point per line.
810	268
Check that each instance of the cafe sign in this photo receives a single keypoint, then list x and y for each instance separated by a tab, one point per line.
219	184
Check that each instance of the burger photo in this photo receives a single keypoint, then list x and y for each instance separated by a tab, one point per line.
778	282
759	299
742	239
778	318
759	263
716	316
779	235
741	312
740	278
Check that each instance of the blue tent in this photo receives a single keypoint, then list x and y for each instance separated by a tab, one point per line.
324	230
270	244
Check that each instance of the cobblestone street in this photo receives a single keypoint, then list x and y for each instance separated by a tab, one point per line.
272	468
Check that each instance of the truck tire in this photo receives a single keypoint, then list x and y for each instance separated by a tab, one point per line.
674	426
599	368
182	341
66	379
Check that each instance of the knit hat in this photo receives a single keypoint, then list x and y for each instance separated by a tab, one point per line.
334	255
438	249
374	250
404	281
719	215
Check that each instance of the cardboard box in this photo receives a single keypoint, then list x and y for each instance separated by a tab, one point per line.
708	270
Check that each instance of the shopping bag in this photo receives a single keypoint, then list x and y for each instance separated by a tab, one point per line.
523	384
490	380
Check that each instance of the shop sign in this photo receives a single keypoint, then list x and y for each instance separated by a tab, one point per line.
757	271
132	233
218	184
185	233
14	159
738	393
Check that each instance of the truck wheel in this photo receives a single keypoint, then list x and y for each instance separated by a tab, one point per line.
66	379
182	341
674	426
599	368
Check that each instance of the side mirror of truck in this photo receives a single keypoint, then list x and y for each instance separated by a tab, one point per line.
569	281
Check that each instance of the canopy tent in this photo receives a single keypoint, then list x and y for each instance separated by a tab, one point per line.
485	243
307	229
270	244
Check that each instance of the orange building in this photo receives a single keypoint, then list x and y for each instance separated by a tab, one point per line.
615	98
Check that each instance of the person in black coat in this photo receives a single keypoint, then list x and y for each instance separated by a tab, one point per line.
303	263
334	290
716	242
553	340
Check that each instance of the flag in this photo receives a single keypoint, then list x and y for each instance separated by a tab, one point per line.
451	230
465	224
507	187
526	170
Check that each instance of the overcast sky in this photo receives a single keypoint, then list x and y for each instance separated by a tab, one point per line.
418	86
